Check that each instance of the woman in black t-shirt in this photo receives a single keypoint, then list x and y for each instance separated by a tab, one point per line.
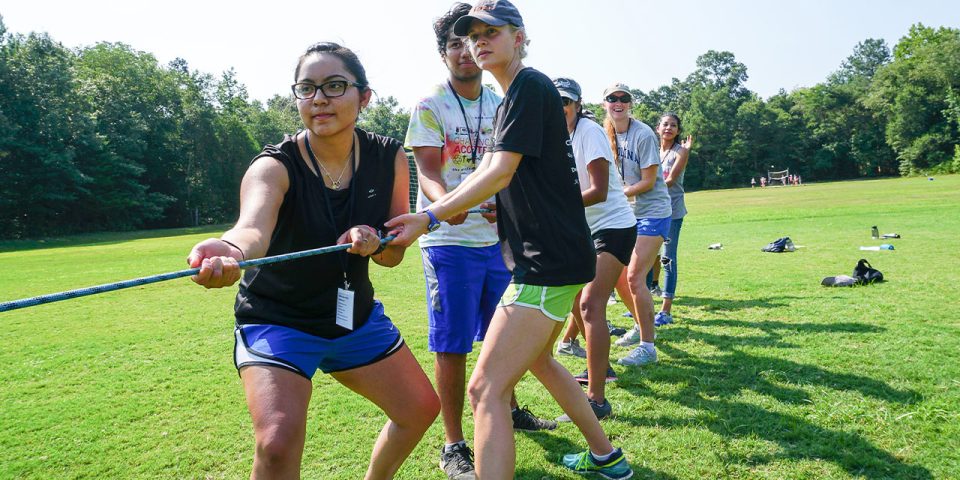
545	240
330	183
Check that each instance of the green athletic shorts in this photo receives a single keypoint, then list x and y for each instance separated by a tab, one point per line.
554	302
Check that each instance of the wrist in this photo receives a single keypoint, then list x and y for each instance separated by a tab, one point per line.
233	246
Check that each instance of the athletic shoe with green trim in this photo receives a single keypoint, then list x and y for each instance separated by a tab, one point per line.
615	468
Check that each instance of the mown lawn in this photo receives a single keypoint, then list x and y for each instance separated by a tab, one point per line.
765	374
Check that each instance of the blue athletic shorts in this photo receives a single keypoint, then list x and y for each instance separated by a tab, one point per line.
303	353
464	285
652	227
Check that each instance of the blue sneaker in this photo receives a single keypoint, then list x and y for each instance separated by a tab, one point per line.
661	319
615	468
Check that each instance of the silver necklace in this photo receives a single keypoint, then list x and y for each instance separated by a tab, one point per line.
335	184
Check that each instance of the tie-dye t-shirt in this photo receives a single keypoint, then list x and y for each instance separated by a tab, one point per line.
437	121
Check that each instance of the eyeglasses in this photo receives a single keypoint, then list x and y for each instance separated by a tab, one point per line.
618	98
331	89
566	101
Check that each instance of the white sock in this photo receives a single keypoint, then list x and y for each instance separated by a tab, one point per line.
602	458
648	346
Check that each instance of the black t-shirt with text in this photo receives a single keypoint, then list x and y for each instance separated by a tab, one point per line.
543	231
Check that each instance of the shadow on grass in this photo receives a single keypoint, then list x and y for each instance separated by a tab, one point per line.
727	305
557	444
710	386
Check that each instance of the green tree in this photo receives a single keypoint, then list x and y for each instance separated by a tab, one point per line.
912	94
386	118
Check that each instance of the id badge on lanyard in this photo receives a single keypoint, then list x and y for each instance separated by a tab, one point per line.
345	306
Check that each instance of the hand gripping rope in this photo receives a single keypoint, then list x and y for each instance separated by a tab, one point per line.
109	287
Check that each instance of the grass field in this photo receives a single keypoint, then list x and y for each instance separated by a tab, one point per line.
765	374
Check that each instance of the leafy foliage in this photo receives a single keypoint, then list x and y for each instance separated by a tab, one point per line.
105	138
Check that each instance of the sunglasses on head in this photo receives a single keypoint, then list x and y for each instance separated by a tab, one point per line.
618	98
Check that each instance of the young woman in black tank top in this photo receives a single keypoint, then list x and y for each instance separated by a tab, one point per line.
331	183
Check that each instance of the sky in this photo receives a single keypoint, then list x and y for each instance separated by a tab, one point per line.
645	44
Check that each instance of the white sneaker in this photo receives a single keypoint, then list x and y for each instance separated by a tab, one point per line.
639	356
632	337
573	349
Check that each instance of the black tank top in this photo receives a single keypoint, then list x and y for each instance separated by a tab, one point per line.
302	293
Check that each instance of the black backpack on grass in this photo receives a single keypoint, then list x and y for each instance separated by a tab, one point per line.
866	274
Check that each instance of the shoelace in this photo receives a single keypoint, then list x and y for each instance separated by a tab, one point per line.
465	459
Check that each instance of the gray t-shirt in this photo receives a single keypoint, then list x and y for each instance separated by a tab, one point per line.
667	162
638	148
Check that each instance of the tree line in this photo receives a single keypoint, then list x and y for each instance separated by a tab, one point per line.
106	138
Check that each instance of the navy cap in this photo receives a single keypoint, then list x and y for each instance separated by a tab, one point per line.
492	12
568	88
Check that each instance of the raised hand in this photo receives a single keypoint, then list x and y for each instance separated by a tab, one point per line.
688	143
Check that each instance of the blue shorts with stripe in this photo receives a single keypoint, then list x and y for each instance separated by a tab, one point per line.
303	353
464	286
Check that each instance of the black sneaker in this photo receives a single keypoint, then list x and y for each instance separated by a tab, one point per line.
458	464
616	331
526	421
601	411
583	379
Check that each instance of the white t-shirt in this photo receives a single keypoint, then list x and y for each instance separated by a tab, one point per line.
590	144
437	121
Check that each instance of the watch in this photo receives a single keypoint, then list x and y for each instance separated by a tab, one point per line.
434	223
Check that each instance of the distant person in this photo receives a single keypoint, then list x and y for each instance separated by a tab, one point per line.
673	160
763	182
753	182
545	242
331	183
635	147
614	232
465	275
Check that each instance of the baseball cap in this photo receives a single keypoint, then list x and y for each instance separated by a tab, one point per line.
617	87
492	12
568	88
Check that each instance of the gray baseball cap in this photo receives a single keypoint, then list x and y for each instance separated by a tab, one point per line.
617	87
568	88
492	12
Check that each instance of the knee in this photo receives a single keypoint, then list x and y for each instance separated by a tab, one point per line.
593	309
426	411
278	448
482	390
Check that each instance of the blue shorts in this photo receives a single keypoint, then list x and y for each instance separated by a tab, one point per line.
464	285
303	353
652	227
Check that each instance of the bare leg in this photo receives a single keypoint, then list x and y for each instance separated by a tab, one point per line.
450	372
626	294
644	253
399	387
667	304
593	306
277	400
568	394
575	324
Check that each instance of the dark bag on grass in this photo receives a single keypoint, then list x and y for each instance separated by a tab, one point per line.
866	274
779	245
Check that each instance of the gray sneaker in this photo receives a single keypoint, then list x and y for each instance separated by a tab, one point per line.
526	421
458	464
639	356
632	337
573	349
601	411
